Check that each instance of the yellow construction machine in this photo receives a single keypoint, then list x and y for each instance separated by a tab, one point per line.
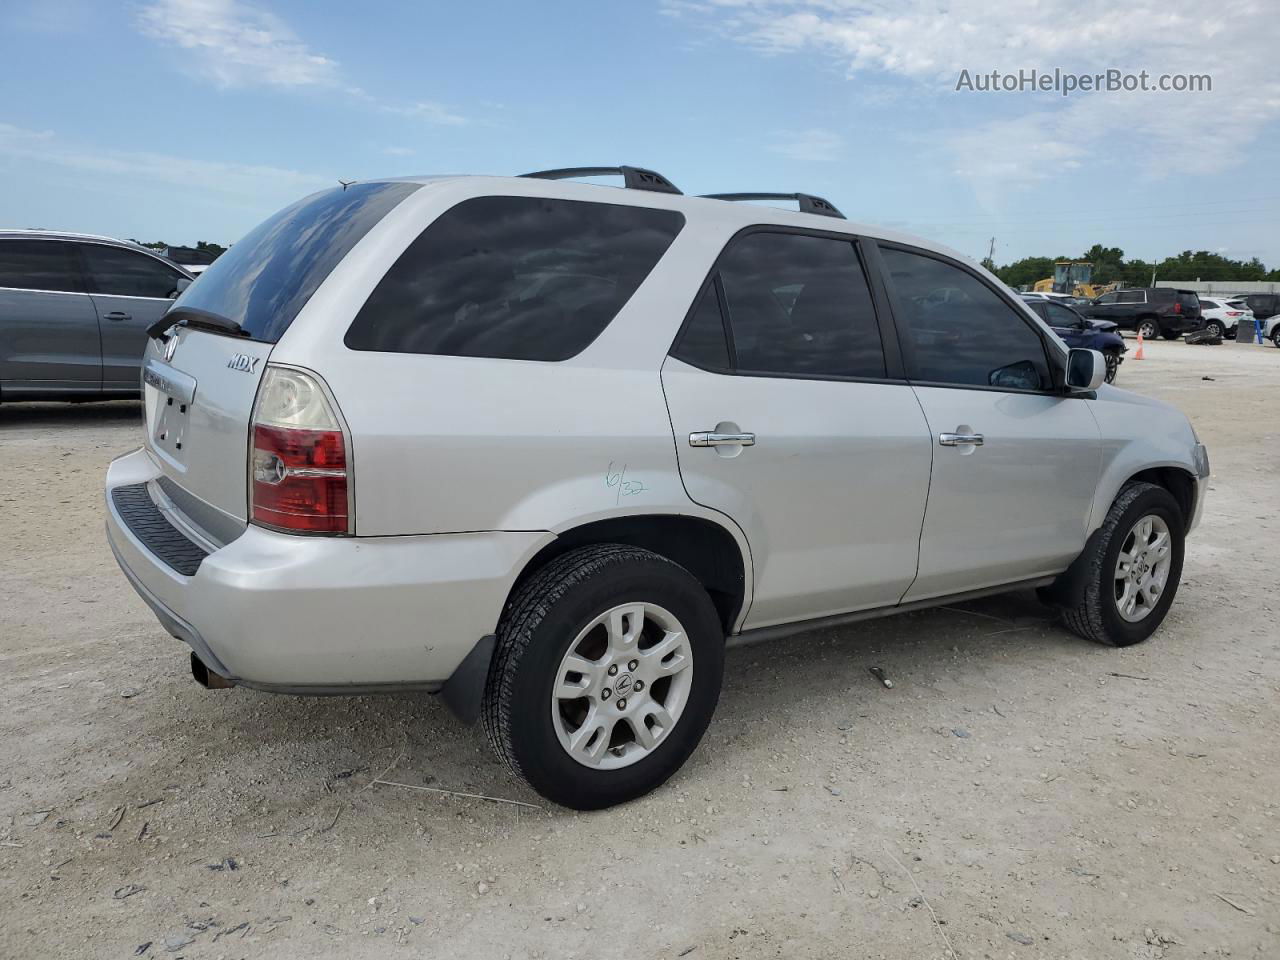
1074	277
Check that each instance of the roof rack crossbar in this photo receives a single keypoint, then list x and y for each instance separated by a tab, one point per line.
633	178
807	201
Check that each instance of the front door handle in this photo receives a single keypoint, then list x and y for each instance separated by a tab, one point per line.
710	439
960	439
117	315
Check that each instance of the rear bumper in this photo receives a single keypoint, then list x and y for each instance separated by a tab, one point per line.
325	614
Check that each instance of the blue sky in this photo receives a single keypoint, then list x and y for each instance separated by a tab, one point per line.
194	119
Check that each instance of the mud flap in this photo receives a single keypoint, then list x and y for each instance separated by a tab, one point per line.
463	692
1068	589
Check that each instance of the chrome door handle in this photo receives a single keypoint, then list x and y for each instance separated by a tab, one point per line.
709	439
960	439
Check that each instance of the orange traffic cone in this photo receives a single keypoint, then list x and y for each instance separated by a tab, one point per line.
1138	355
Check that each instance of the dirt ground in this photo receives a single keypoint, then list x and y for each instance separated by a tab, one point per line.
1018	793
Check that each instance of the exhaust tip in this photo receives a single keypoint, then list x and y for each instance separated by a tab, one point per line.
207	678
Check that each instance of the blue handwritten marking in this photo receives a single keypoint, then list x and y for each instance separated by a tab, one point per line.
626	488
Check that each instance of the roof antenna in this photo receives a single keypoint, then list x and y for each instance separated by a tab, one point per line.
345	184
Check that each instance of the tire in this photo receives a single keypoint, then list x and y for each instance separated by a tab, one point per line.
1097	616
1113	365
1275	335
1170	334
1149	329
1215	327
530	723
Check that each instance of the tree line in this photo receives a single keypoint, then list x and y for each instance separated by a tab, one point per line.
1109	264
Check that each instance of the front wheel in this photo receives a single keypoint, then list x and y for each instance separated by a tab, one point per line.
1149	329
1275	335
606	674
1132	568
1113	365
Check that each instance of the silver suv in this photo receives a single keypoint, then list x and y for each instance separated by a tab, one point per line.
74	313
544	447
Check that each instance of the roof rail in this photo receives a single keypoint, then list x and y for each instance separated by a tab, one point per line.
808	202
633	178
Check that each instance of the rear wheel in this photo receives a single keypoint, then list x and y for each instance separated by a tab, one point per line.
1213	328
1149	329
606	674
1133	568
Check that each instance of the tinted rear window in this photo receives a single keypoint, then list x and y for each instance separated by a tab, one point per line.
517	278
266	278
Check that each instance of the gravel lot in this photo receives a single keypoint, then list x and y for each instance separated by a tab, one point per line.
1018	793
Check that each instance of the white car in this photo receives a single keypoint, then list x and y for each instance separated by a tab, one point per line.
544	447
1222	316
1271	329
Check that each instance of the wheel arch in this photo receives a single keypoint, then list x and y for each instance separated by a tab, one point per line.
1181	483
715	556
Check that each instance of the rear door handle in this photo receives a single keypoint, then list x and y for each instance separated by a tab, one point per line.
117	315
710	439
960	439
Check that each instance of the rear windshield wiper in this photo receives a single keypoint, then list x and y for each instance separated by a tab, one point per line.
196	319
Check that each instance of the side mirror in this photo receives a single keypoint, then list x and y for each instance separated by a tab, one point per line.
181	284
1086	369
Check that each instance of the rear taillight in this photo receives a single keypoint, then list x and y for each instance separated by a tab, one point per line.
1233	313
1177	308
299	472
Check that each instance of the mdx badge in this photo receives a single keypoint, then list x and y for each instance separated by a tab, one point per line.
243	363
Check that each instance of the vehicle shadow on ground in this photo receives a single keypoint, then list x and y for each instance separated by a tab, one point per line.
107	413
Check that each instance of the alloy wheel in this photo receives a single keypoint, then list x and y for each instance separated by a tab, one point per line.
1142	568
622	686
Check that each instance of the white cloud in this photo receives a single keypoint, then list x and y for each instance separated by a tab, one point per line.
399	151
236	45
926	43
809	146
427	111
237	181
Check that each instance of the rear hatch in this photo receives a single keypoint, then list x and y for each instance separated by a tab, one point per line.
201	379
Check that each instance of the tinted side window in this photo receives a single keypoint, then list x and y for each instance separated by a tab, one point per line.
1060	316
124	273
959	331
801	306
39	265
1130	296
518	278
703	342
1108	298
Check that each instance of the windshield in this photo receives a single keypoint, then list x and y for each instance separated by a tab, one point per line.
266	278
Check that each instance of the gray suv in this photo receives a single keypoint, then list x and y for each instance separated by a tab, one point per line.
74	312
